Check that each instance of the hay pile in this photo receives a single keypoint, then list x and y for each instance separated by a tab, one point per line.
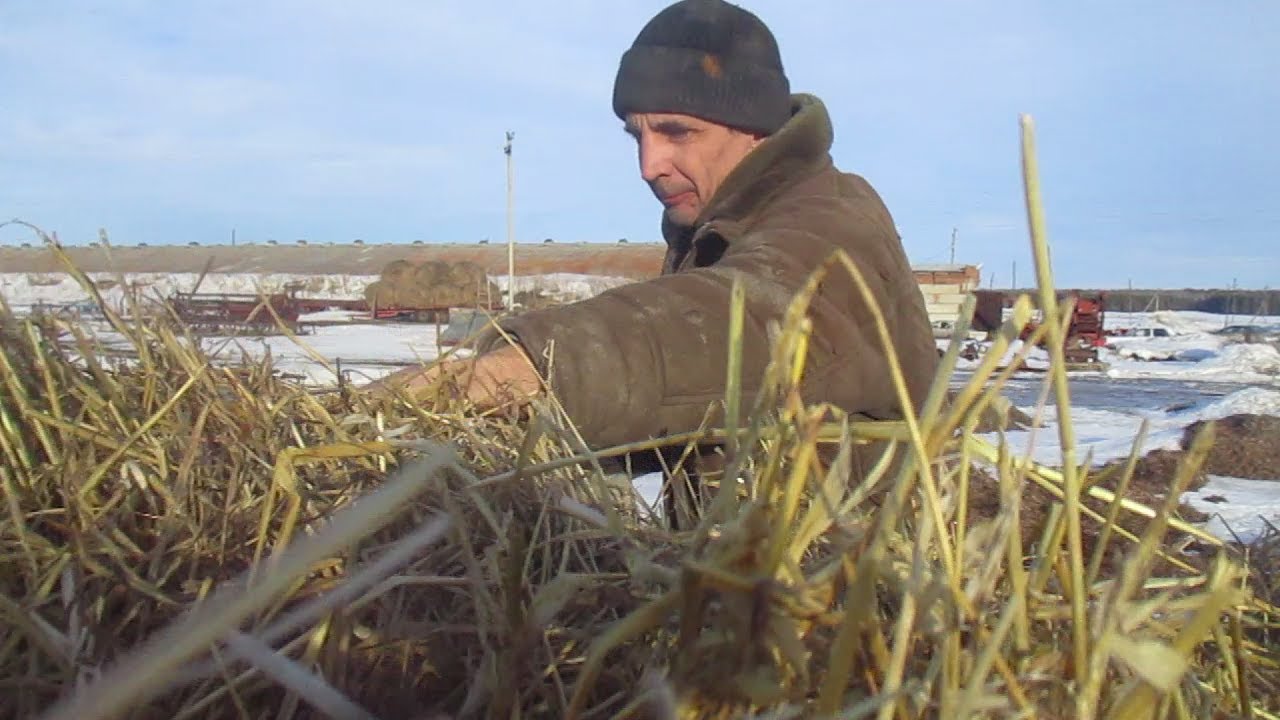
183	541
432	284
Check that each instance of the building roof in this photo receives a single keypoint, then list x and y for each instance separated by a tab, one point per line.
944	267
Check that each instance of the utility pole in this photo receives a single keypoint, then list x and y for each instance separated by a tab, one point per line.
1231	305
511	236
953	246
1014	283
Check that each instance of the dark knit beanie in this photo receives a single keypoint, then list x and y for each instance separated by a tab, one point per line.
709	59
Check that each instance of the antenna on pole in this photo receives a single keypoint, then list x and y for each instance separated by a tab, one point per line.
953	246
511	237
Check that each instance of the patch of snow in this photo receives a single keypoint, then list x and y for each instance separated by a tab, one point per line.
1191	348
649	488
1250	358
1185	322
23	290
365	352
1110	435
332	316
565	287
1249	401
1204	360
1237	504
1237	507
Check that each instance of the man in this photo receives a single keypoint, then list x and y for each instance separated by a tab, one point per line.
743	170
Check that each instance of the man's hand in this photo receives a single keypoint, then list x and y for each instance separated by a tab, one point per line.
496	379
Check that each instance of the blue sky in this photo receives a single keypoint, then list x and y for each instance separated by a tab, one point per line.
384	120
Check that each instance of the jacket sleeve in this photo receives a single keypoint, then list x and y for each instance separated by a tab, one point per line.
650	358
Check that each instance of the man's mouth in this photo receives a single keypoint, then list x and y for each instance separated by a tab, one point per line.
677	198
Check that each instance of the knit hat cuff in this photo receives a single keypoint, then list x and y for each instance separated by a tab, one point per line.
680	80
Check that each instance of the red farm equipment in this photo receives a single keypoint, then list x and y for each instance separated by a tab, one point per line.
235	311
1085	332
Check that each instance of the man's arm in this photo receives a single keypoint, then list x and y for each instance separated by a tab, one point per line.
502	377
649	359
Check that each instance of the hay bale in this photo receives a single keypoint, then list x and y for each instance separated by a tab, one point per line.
380	294
467	274
430	273
396	271
432	284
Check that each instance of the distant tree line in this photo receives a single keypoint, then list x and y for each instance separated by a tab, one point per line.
1225	302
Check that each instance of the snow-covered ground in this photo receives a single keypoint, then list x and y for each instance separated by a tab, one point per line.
1109	435
1238	508
1192	349
1224	376
562	286
362	352
1186	322
23	290
1214	376
1251	363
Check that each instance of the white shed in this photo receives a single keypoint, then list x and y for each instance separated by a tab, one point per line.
944	288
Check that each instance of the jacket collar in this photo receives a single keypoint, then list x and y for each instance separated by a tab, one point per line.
799	148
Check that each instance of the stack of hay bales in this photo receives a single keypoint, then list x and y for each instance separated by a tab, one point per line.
432	284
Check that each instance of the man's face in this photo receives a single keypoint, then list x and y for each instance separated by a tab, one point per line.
685	159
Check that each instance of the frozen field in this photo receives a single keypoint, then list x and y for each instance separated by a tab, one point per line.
1193	373
24	290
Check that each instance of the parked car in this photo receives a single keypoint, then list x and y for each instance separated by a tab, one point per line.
1140	332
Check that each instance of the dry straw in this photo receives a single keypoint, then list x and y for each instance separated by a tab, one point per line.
183	539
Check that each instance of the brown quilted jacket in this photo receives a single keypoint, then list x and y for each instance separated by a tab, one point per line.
649	358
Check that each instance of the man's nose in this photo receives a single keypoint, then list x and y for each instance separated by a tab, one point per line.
654	161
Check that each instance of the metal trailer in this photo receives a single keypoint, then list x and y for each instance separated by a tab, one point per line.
247	310
232	311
